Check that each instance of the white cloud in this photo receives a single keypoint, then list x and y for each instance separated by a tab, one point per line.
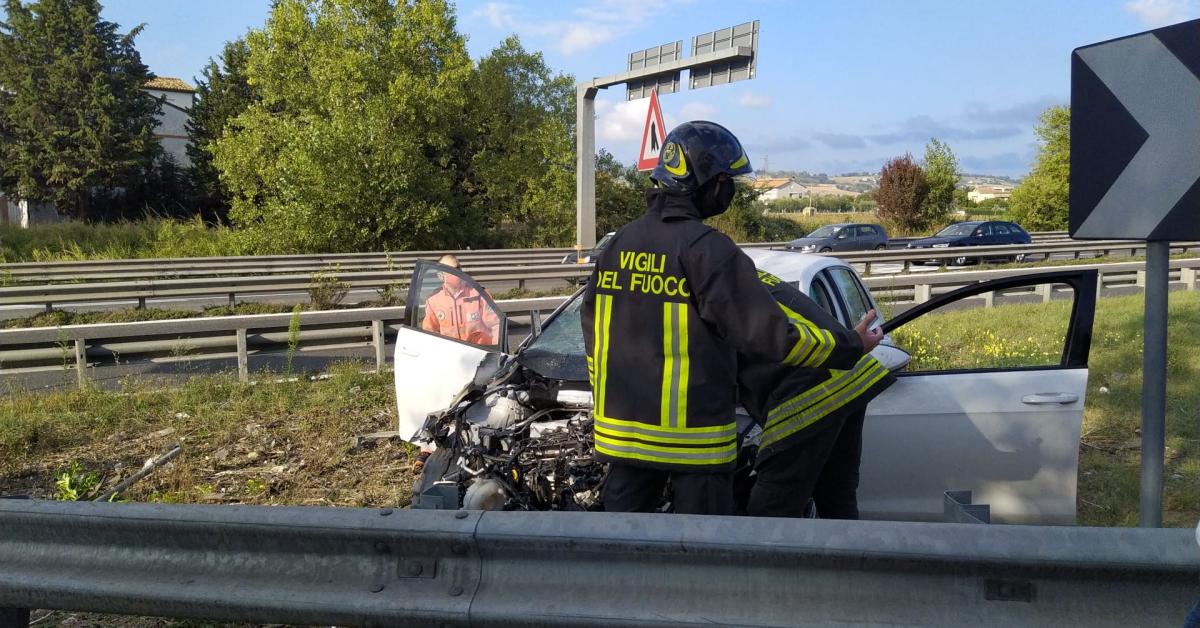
580	37
755	101
498	14
586	26
1156	13
696	111
621	122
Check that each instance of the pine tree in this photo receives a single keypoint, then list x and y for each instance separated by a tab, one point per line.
75	116
222	94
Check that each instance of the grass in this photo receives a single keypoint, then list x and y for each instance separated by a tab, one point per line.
272	443
1109	454
143	239
58	318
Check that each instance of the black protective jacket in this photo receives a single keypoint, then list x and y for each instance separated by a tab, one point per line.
785	400
669	305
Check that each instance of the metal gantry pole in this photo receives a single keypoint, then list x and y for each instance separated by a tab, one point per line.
1154	383
585	167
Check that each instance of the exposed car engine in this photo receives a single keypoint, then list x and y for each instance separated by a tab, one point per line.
523	443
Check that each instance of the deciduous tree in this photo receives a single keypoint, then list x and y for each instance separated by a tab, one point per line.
902	191
1039	203
941	173
352	145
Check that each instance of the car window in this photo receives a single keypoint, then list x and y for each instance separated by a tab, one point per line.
1012	329
984	230
855	296
821	295
603	241
823	232
959	229
451	304
866	231
1015	228
999	229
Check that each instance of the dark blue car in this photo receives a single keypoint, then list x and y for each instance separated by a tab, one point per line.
975	233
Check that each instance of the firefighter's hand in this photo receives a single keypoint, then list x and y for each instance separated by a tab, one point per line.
870	337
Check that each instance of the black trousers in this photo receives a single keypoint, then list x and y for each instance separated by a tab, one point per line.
630	488
836	493
822	464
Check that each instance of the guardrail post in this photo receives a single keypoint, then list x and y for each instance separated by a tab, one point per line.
520	284
232	300
906	267
1045	290
922	292
81	361
1141	279
989	299
866	268
1188	277
535	321
49	307
243	357
377	338
141	303
1099	285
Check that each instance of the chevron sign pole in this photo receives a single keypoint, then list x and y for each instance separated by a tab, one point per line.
1135	173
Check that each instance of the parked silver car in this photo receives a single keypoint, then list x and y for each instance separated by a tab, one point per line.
842	237
513	431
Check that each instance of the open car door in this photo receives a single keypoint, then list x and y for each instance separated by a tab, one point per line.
451	326
987	404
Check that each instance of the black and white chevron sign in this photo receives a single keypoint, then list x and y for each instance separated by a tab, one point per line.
1135	136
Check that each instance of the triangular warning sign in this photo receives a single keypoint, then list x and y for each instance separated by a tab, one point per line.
652	135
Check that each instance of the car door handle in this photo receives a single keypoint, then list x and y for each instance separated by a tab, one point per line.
1041	399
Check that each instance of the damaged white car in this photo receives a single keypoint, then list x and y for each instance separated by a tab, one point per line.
513	430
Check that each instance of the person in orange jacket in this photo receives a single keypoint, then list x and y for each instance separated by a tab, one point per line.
459	311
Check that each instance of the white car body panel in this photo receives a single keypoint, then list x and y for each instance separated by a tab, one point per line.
971	431
431	371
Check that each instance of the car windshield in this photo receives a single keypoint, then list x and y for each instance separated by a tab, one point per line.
558	353
824	232
604	240
960	229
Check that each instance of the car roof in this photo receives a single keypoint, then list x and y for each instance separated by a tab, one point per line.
792	266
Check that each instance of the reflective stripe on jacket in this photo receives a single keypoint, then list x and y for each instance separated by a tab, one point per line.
787	399
670	303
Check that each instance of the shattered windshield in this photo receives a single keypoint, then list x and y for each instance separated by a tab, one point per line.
558	352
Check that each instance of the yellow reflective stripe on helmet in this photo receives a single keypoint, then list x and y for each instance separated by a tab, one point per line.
600	342
743	160
795	422
681	169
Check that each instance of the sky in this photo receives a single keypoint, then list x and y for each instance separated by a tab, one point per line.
841	86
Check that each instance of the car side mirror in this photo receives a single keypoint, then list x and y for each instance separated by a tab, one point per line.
892	358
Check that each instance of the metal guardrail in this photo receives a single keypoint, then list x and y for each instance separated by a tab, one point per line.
77	345
907	257
920	287
353	566
178	268
47	295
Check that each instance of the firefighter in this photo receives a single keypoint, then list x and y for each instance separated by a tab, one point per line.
669	304
811	418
